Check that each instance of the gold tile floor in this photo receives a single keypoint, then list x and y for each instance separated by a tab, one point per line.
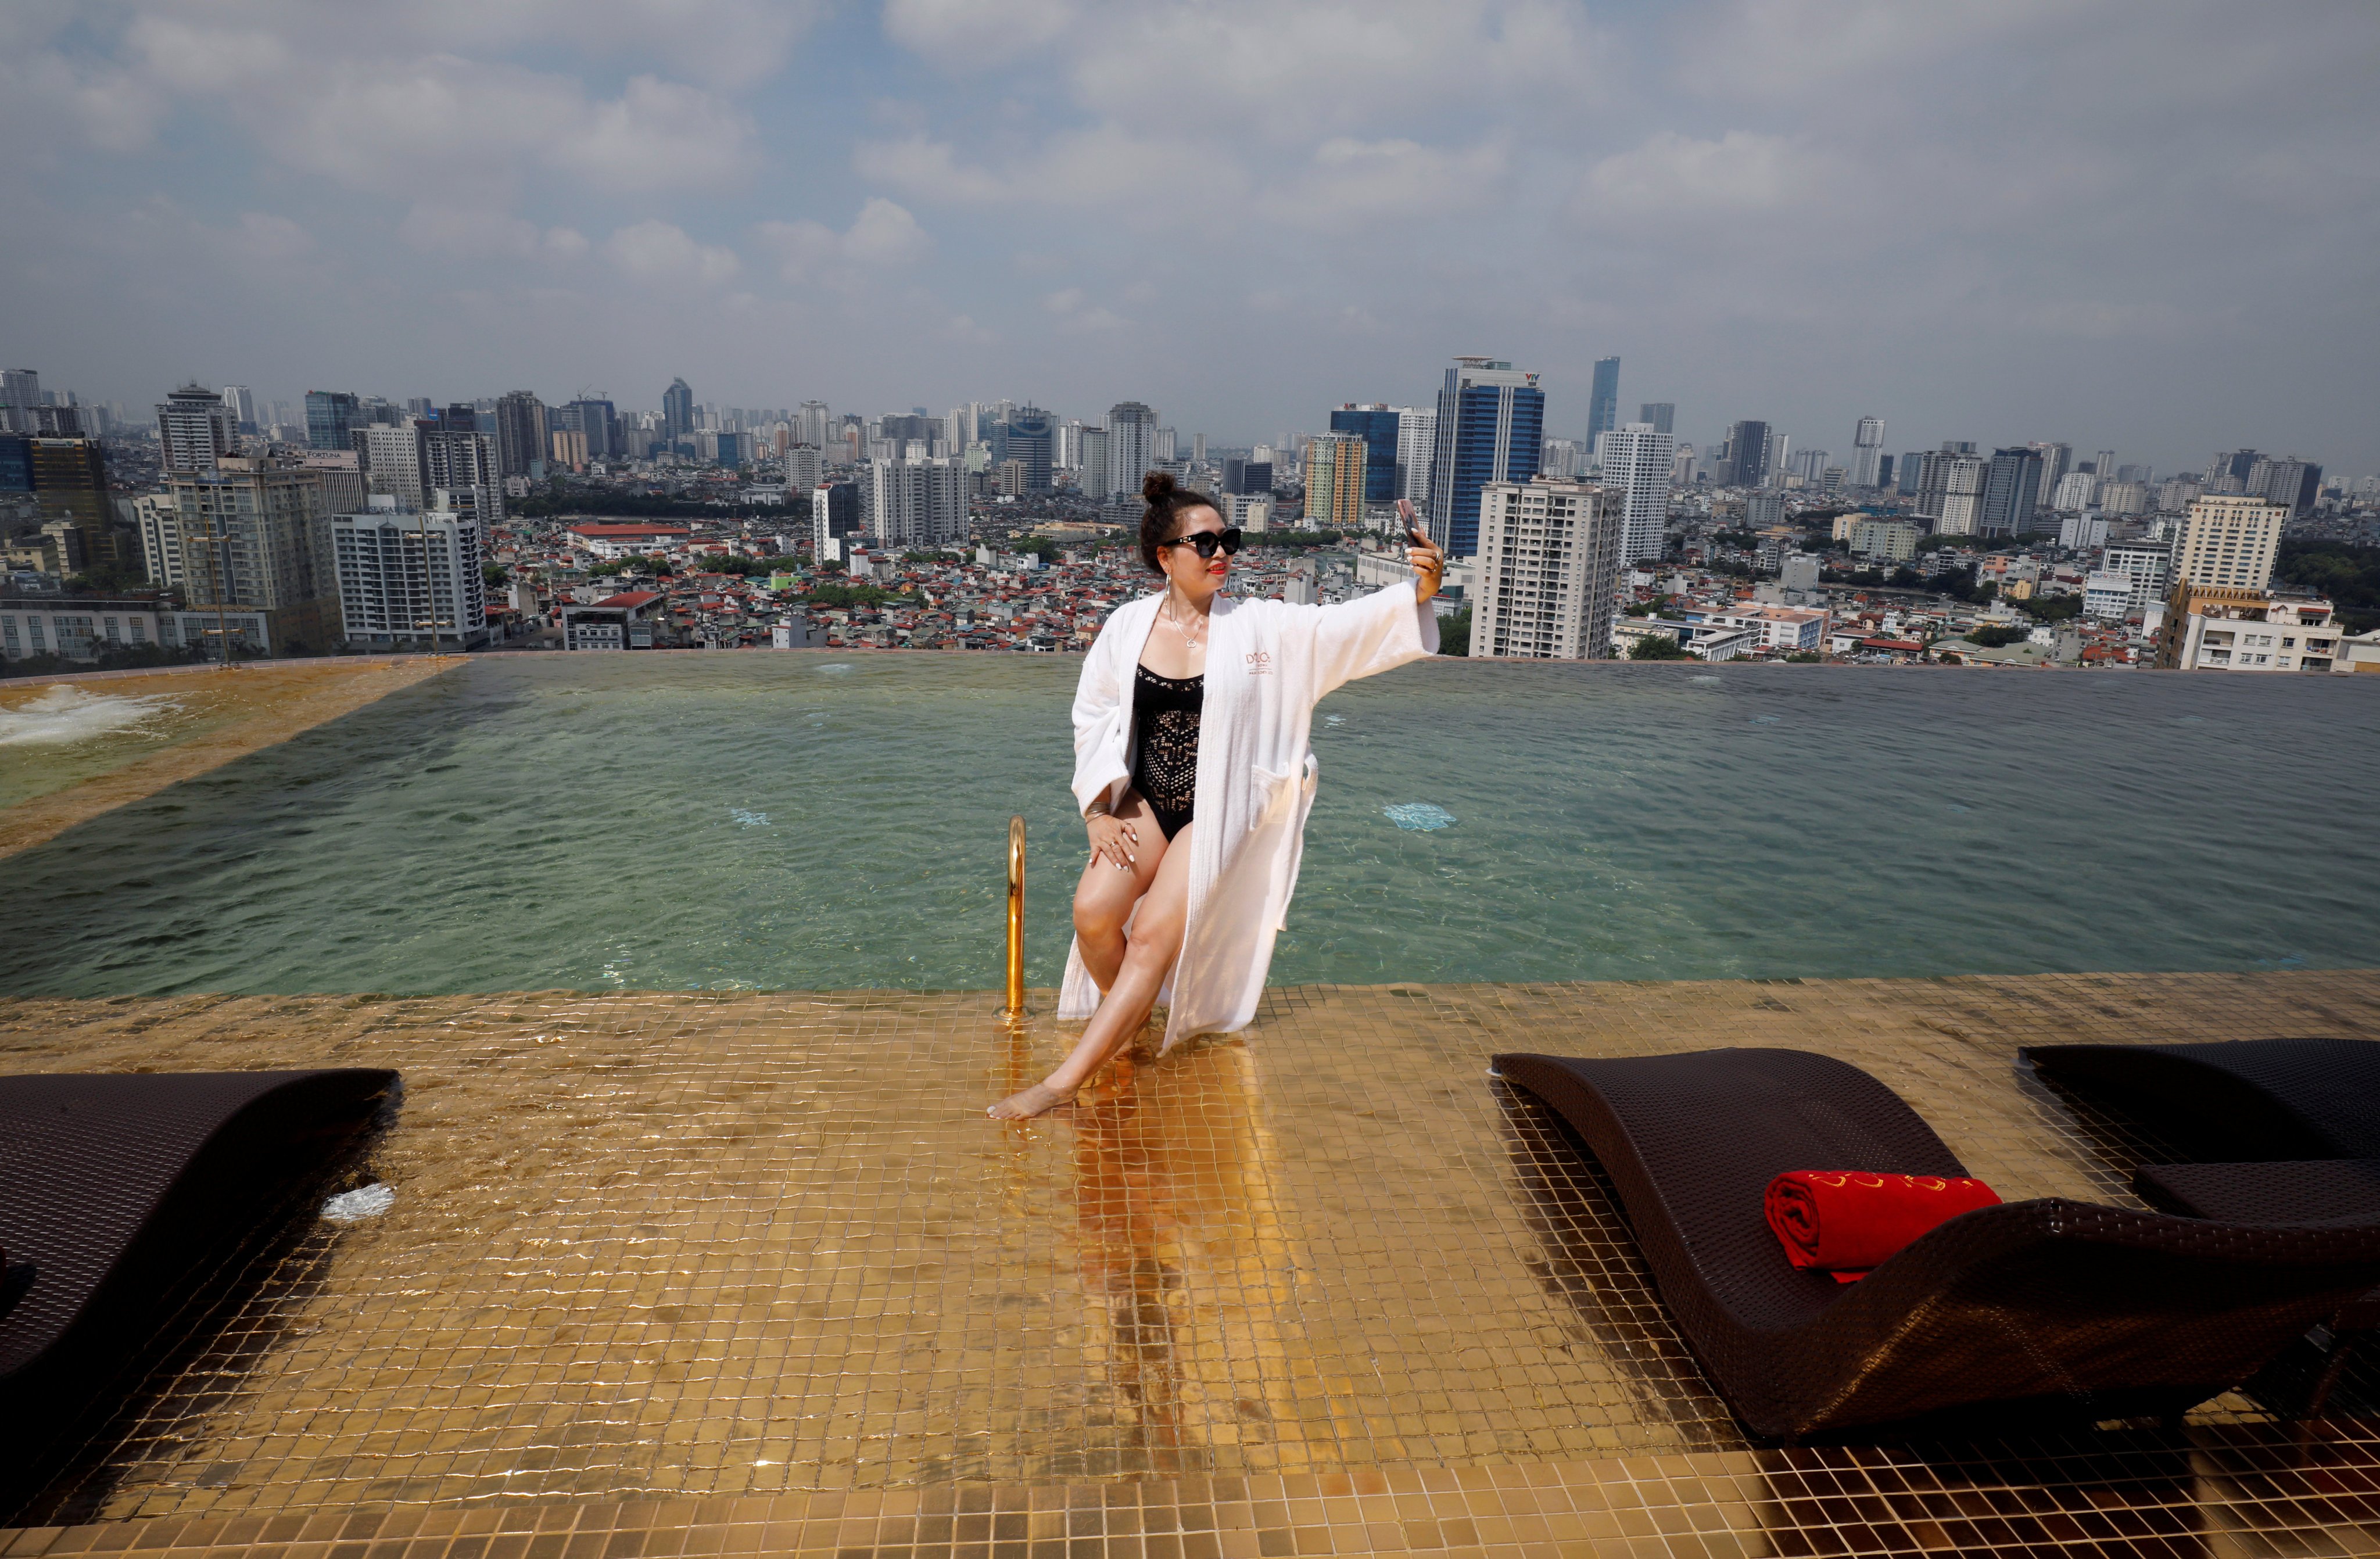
750	1273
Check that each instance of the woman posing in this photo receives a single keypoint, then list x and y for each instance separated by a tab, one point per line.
1193	777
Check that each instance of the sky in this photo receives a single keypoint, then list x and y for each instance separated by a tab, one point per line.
2148	225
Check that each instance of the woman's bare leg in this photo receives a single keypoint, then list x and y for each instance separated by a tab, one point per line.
1148	957
1103	899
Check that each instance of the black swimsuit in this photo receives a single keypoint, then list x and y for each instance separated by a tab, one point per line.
1165	760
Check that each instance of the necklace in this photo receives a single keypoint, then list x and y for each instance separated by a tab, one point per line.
1189	639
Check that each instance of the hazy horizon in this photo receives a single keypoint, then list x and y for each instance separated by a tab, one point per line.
2140	226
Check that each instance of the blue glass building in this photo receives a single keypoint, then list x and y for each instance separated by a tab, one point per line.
1491	425
1379	426
1603	405
330	417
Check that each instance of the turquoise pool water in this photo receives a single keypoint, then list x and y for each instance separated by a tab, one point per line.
793	821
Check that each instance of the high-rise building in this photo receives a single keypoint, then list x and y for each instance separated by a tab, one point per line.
20	391
2147	566
1603	400
194	429
1417	446
331	419
161	538
1636	464
1661	415
461	461
393	461
678	413
2295	484
1744	456
1564	460
1029	436
2229	466
595	420
2055	460
1548	570
805	468
1092	469
412	577
814	424
240	401
2010	489
1336	475
835	514
1378	424
1491	424
916	503
1908	472
1950	491
521	431
255	540
2228	540
1132	446
1867	452
2076	491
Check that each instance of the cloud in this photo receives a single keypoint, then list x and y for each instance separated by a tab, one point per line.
882	236
1077	315
968	36
1672	174
1350	181
468	233
661	251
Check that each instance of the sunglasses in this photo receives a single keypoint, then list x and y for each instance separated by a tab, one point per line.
1207	541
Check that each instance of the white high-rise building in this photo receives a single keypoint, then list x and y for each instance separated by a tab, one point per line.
20	391
1962	511
2076	490
2228	540
916	503
1637	462
160	520
1867	451
412	577
1092	478
1417	446
2055	460
1548	570
805	468
194	429
1132	445
240	401
813	424
461	462
2146	565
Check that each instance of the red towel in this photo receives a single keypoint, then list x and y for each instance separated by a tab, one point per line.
1847	1221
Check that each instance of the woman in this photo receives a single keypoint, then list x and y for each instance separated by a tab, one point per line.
1194	778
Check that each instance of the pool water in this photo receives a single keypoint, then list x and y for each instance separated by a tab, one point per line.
799	822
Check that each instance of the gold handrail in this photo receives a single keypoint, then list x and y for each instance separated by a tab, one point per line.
1015	917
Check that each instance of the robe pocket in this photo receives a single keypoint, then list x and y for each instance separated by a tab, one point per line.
1275	794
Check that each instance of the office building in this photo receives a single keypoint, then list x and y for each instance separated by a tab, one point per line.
2146	566
1336	470
459	460
1380	425
255	542
1661	414
411	578
1417	446
1743	456
1635	465
595	421
194	429
916	503
1908	472
2011	486
1548	570
331	419
69	482
2228	540
521	432
1028	436
1132	447
2217	628
2078	531
677	414
240	401
1490	429
1867	453
1603	400
834	515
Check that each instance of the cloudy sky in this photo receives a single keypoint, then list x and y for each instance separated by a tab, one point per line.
2150	227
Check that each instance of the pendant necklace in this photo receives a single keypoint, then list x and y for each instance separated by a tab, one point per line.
1188	641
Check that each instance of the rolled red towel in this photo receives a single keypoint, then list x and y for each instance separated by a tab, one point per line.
1847	1221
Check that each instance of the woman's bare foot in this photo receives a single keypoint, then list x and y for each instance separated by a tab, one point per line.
1039	1099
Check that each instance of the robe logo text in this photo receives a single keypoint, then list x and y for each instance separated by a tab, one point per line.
1260	663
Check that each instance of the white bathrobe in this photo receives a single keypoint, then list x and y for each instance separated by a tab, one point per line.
1267	664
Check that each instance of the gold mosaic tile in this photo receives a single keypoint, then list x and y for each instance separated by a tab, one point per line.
725	1274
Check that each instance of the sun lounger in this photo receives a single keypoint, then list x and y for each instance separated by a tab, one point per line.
2047	1307
125	1194
2235	1100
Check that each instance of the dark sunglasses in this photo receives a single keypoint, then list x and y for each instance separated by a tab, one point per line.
1207	541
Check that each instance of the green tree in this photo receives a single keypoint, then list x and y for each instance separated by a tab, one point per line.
1805	657
1659	646
1454	633
2051	608
494	575
1992	636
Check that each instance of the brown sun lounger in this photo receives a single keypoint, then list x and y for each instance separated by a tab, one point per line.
2235	1100
2024	1310
122	1197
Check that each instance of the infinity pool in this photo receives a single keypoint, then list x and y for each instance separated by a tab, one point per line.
799	821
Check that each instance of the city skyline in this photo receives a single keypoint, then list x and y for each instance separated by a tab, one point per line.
2141	235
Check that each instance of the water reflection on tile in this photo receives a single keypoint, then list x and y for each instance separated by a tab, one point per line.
730	1274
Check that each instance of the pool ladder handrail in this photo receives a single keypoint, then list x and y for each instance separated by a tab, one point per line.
1016	1007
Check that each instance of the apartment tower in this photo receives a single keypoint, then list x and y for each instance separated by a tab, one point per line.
1548	570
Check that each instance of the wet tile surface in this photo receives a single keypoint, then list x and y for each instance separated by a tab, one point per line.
728	1273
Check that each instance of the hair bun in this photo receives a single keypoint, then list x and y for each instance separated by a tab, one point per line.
1157	486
